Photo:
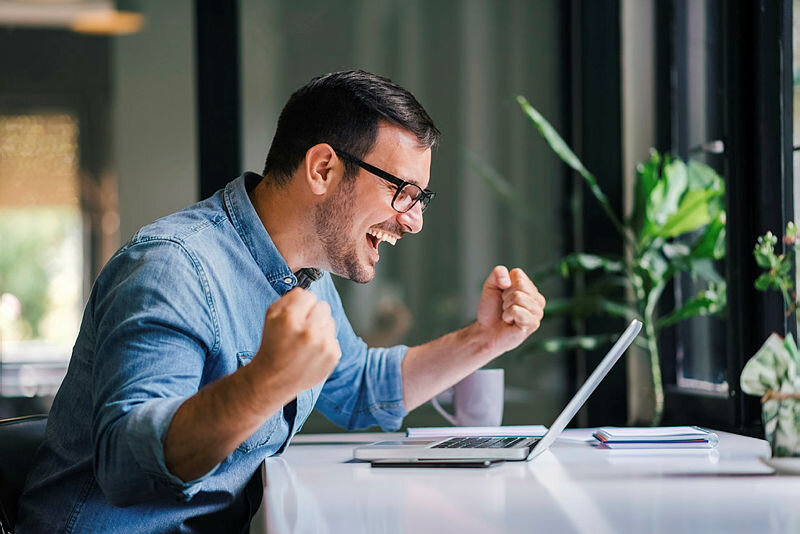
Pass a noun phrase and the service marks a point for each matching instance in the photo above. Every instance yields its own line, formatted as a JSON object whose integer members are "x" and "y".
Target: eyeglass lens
{"x": 406, "y": 197}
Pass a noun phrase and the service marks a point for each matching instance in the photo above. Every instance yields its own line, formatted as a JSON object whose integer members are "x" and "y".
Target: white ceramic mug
{"x": 477, "y": 400}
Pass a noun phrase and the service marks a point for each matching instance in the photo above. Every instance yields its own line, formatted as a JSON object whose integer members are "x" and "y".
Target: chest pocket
{"x": 261, "y": 436}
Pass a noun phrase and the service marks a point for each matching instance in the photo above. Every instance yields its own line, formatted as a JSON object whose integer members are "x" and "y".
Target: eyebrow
{"x": 405, "y": 179}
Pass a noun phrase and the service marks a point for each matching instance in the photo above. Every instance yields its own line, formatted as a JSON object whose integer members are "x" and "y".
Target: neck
{"x": 285, "y": 217}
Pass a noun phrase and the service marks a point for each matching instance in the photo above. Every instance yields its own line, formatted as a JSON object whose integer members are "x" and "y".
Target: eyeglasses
{"x": 407, "y": 194}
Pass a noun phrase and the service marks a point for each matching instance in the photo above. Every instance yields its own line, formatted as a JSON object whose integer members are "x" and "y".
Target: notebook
{"x": 490, "y": 447}
{"x": 665, "y": 437}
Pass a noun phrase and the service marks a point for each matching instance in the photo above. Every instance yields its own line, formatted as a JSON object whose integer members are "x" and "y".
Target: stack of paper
{"x": 536, "y": 431}
{"x": 665, "y": 437}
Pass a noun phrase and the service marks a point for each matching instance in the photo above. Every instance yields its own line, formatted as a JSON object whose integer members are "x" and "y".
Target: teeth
{"x": 382, "y": 236}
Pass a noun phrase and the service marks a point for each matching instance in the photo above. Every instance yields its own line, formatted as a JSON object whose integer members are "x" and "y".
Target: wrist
{"x": 266, "y": 387}
{"x": 479, "y": 341}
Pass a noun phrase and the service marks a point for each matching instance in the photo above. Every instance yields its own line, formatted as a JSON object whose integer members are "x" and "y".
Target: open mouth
{"x": 375, "y": 236}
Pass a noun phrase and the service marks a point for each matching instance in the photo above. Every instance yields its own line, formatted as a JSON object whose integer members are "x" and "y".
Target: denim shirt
{"x": 179, "y": 306}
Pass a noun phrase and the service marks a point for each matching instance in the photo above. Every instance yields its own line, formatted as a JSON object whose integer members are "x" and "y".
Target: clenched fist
{"x": 511, "y": 308}
{"x": 299, "y": 343}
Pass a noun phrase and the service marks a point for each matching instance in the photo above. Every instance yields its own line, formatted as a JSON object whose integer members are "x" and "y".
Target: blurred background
{"x": 115, "y": 113}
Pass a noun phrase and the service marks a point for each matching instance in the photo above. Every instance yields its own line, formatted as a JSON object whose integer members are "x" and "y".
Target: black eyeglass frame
{"x": 425, "y": 195}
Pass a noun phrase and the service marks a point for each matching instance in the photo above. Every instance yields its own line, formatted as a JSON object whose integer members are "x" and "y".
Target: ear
{"x": 321, "y": 168}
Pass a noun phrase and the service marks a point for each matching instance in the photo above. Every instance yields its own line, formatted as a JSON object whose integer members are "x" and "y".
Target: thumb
{"x": 498, "y": 279}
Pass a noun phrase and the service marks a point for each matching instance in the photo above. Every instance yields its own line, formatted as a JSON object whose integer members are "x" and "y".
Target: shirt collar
{"x": 252, "y": 232}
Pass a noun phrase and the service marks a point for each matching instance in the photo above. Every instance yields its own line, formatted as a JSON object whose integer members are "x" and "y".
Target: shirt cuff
{"x": 148, "y": 424}
{"x": 389, "y": 409}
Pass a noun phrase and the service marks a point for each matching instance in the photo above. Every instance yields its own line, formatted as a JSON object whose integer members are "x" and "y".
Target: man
{"x": 199, "y": 356}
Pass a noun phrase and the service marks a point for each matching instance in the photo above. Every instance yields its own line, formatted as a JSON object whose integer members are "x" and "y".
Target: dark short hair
{"x": 343, "y": 109}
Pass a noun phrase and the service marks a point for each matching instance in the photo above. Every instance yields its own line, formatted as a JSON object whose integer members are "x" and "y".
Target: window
{"x": 726, "y": 98}
{"x": 41, "y": 250}
{"x": 697, "y": 132}
{"x": 58, "y": 204}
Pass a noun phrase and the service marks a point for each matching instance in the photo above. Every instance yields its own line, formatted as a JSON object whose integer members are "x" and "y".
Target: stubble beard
{"x": 333, "y": 222}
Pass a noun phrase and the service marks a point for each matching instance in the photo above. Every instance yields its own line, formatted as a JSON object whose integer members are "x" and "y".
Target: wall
{"x": 154, "y": 115}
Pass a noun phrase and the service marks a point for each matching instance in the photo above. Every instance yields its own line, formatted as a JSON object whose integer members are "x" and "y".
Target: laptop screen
{"x": 588, "y": 387}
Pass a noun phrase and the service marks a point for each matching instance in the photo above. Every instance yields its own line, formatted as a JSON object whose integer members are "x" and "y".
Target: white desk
{"x": 317, "y": 488}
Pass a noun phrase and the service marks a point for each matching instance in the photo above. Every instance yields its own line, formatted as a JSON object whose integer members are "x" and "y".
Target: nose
{"x": 411, "y": 221}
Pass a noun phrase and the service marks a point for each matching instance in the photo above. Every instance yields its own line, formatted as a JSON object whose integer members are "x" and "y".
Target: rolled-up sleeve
{"x": 154, "y": 328}
{"x": 366, "y": 388}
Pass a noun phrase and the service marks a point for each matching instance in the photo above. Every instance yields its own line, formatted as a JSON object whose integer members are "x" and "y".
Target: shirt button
{"x": 287, "y": 280}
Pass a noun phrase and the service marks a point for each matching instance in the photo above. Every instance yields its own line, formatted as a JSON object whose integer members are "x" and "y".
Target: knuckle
{"x": 280, "y": 320}
{"x": 305, "y": 336}
{"x": 291, "y": 322}
{"x": 272, "y": 315}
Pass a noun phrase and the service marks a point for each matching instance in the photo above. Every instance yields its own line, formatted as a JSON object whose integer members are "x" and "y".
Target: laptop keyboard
{"x": 479, "y": 443}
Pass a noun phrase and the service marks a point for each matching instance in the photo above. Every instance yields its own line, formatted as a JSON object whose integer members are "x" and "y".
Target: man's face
{"x": 358, "y": 215}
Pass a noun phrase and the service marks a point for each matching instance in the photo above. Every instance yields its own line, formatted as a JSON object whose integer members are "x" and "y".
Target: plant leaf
{"x": 764, "y": 250}
{"x": 691, "y": 215}
{"x": 649, "y": 173}
{"x": 580, "y": 262}
{"x": 701, "y": 176}
{"x": 708, "y": 302}
{"x": 556, "y": 142}
{"x": 675, "y": 182}
{"x": 712, "y": 243}
{"x": 646, "y": 180}
{"x": 766, "y": 281}
{"x": 654, "y": 264}
{"x": 566, "y": 154}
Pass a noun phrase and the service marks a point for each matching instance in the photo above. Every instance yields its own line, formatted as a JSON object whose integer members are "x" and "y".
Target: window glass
{"x": 701, "y": 359}
{"x": 41, "y": 250}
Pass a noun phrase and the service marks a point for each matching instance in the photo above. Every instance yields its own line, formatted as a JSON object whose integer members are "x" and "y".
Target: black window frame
{"x": 757, "y": 115}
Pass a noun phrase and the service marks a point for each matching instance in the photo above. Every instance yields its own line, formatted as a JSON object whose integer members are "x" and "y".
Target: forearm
{"x": 209, "y": 425}
{"x": 433, "y": 367}
{"x": 298, "y": 350}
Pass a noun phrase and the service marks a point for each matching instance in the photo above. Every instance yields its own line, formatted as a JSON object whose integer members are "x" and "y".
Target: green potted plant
{"x": 677, "y": 225}
{"x": 772, "y": 373}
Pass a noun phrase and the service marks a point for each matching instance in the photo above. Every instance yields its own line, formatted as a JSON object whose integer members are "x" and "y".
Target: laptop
{"x": 487, "y": 449}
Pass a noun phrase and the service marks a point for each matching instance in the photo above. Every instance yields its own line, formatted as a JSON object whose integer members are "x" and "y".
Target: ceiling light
{"x": 116, "y": 17}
